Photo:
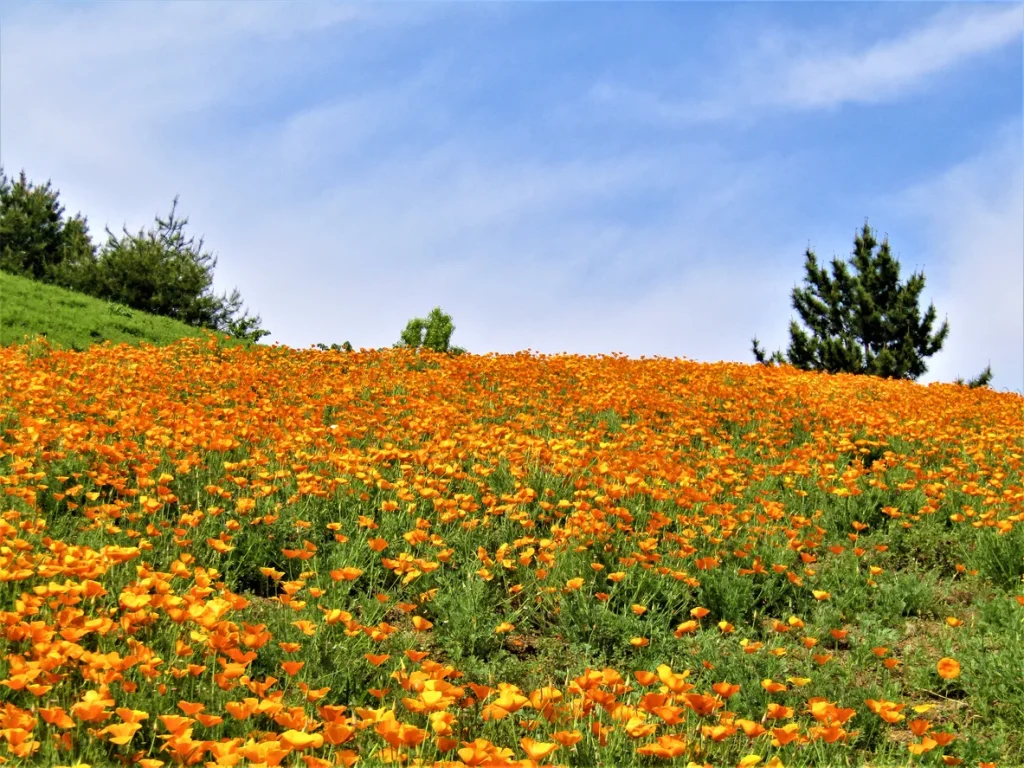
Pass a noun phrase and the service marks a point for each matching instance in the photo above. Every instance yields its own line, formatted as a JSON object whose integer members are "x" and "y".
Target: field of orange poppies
{"x": 223, "y": 556}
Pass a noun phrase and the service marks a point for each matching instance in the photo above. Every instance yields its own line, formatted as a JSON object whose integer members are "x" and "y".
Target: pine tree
{"x": 35, "y": 239}
{"x": 983, "y": 379}
{"x": 861, "y": 321}
{"x": 166, "y": 273}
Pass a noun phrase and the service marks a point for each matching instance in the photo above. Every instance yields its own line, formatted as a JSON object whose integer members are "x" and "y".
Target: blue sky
{"x": 583, "y": 177}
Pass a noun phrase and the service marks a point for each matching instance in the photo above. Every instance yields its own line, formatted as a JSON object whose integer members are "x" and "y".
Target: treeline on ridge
{"x": 161, "y": 270}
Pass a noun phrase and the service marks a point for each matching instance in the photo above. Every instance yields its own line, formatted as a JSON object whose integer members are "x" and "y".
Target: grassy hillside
{"x": 74, "y": 320}
{"x": 267, "y": 556}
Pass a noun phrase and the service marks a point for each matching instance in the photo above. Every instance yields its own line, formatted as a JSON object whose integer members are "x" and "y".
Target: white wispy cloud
{"x": 890, "y": 68}
{"x": 131, "y": 91}
{"x": 776, "y": 68}
{"x": 510, "y": 249}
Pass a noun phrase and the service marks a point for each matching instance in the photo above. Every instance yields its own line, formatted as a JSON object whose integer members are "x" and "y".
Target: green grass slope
{"x": 68, "y": 319}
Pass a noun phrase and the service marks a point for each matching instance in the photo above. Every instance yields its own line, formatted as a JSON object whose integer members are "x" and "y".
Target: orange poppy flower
{"x": 948, "y": 668}
{"x": 346, "y": 574}
{"x": 537, "y": 750}
{"x": 644, "y": 677}
{"x": 299, "y": 740}
{"x": 121, "y": 733}
{"x": 567, "y": 738}
{"x": 725, "y": 690}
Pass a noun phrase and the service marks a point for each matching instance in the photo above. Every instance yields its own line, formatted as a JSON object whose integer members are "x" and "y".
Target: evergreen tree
{"x": 865, "y": 321}
{"x": 77, "y": 266}
{"x": 983, "y": 379}
{"x": 431, "y": 332}
{"x": 35, "y": 239}
{"x": 166, "y": 273}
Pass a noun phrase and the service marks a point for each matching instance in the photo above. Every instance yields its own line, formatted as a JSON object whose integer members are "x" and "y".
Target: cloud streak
{"x": 889, "y": 69}
{"x": 782, "y": 69}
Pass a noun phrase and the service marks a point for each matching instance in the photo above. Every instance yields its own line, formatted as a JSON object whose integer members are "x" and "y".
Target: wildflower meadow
{"x": 249, "y": 555}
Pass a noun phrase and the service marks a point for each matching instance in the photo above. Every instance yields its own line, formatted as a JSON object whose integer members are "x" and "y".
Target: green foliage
{"x": 432, "y": 332}
{"x": 161, "y": 271}
{"x": 35, "y": 239}
{"x": 865, "y": 321}
{"x": 343, "y": 347}
{"x": 983, "y": 379}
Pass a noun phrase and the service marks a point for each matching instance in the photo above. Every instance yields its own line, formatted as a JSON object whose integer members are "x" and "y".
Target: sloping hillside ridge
{"x": 29, "y": 309}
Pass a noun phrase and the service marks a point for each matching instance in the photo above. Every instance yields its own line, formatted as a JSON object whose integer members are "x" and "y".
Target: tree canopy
{"x": 36, "y": 240}
{"x": 861, "y": 318}
{"x": 164, "y": 272}
{"x": 431, "y": 332}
